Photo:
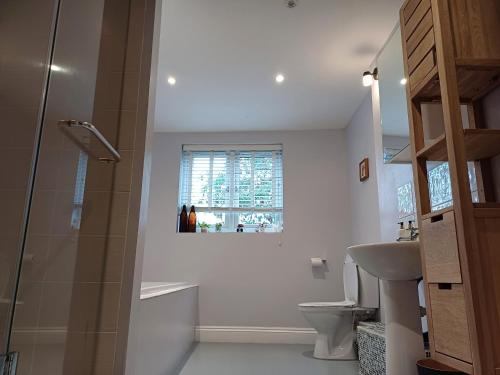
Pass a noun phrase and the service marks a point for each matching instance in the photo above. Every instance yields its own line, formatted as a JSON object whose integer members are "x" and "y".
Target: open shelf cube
{"x": 479, "y": 144}
{"x": 476, "y": 78}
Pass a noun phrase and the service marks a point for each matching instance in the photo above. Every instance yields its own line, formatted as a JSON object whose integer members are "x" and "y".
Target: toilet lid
{"x": 329, "y": 304}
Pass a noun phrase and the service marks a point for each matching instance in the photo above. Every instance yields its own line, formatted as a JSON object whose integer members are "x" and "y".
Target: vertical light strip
{"x": 237, "y": 177}
{"x": 229, "y": 179}
{"x": 252, "y": 179}
{"x": 235, "y": 187}
{"x": 189, "y": 179}
{"x": 81, "y": 176}
{"x": 281, "y": 182}
{"x": 211, "y": 180}
{"x": 232, "y": 187}
{"x": 273, "y": 179}
{"x": 183, "y": 186}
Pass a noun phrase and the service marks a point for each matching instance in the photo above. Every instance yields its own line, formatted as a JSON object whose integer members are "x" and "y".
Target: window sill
{"x": 228, "y": 232}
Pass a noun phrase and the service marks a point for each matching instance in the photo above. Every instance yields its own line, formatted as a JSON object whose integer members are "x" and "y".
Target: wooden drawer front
{"x": 426, "y": 45}
{"x": 440, "y": 247}
{"x": 409, "y": 8}
{"x": 420, "y": 32}
{"x": 416, "y": 17}
{"x": 449, "y": 321}
{"x": 422, "y": 70}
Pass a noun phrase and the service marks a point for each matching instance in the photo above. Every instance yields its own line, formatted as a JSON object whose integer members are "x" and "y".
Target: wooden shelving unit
{"x": 479, "y": 144}
{"x": 486, "y": 208}
{"x": 451, "y": 53}
{"x": 476, "y": 78}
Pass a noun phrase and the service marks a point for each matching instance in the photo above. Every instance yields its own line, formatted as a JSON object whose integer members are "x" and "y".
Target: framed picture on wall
{"x": 364, "y": 170}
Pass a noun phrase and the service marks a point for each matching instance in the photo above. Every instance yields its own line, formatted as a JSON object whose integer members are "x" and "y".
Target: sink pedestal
{"x": 404, "y": 342}
{"x": 398, "y": 265}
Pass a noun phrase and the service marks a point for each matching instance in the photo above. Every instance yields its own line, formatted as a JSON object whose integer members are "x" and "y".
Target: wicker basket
{"x": 371, "y": 348}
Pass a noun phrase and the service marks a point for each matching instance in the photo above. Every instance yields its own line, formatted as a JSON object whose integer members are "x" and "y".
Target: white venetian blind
{"x": 244, "y": 180}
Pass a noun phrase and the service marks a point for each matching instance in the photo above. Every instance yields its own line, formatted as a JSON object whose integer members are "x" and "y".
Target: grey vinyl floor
{"x": 257, "y": 359}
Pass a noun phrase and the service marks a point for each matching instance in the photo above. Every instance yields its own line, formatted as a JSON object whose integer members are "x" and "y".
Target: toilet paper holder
{"x": 318, "y": 262}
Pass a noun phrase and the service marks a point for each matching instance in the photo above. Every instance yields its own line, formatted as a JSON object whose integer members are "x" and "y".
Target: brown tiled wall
{"x": 23, "y": 54}
{"x": 87, "y": 273}
{"x": 112, "y": 287}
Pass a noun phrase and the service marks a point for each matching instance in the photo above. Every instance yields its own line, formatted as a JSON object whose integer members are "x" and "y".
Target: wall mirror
{"x": 393, "y": 106}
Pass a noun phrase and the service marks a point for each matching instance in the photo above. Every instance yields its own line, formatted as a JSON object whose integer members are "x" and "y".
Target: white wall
{"x": 365, "y": 220}
{"x": 249, "y": 280}
{"x": 258, "y": 280}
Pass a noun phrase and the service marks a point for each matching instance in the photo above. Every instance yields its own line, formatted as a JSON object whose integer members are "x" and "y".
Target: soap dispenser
{"x": 402, "y": 230}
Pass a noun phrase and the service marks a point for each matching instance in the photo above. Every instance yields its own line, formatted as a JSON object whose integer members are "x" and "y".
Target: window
{"x": 81, "y": 175}
{"x": 440, "y": 193}
{"x": 234, "y": 185}
{"x": 406, "y": 202}
{"x": 440, "y": 186}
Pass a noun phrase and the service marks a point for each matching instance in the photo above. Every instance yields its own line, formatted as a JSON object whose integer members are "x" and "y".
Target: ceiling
{"x": 225, "y": 55}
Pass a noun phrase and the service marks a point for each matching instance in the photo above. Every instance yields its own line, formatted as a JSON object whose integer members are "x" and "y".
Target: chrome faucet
{"x": 413, "y": 232}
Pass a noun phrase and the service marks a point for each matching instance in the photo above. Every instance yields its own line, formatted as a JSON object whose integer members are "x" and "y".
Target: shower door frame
{"x": 84, "y": 135}
{"x": 8, "y": 360}
{"x": 144, "y": 25}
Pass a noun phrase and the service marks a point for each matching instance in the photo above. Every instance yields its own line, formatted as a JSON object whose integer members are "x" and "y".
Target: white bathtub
{"x": 166, "y": 331}
{"x": 156, "y": 289}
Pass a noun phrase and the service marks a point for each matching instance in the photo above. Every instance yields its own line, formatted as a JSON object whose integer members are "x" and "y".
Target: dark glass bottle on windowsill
{"x": 192, "y": 220}
{"x": 183, "y": 220}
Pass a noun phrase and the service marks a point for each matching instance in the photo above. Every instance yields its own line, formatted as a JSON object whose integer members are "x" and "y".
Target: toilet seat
{"x": 328, "y": 306}
{"x": 345, "y": 303}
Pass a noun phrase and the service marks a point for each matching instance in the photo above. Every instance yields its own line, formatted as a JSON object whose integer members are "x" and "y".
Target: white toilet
{"x": 334, "y": 320}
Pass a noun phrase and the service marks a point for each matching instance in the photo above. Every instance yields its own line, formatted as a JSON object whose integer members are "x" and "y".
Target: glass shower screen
{"x": 56, "y": 180}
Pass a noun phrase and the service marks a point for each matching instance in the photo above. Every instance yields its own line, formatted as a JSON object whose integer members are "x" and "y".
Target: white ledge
{"x": 156, "y": 289}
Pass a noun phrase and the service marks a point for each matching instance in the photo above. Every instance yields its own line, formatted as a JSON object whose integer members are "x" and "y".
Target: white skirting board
{"x": 256, "y": 335}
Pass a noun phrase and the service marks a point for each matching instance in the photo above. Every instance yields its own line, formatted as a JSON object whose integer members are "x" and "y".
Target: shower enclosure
{"x": 61, "y": 222}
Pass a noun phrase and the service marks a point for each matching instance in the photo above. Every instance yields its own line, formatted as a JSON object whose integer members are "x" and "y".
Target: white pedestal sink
{"x": 398, "y": 265}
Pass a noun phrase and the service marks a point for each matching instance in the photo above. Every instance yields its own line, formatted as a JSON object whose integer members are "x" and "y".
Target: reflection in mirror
{"x": 393, "y": 108}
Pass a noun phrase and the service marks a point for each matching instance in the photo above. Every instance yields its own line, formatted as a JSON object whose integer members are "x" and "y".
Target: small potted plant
{"x": 204, "y": 227}
{"x": 261, "y": 228}
{"x": 218, "y": 227}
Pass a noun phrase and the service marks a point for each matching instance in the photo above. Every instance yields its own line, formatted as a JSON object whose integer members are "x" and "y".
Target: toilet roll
{"x": 317, "y": 262}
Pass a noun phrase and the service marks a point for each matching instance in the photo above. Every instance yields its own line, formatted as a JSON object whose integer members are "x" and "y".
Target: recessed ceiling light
{"x": 403, "y": 81}
{"x": 280, "y": 78}
{"x": 171, "y": 81}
